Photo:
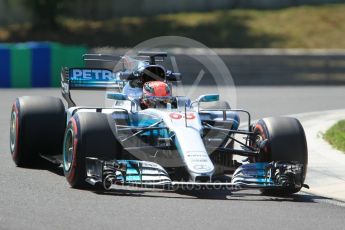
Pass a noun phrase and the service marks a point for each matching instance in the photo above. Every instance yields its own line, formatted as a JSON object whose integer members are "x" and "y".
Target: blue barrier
{"x": 36, "y": 64}
{"x": 5, "y": 74}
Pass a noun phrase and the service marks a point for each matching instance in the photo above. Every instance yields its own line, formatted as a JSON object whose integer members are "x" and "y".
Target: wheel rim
{"x": 68, "y": 150}
{"x": 13, "y": 132}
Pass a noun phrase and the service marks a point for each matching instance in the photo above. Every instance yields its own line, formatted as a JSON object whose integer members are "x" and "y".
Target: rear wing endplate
{"x": 87, "y": 79}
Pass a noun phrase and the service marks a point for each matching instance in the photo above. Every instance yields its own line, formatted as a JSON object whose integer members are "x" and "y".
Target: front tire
{"x": 286, "y": 142}
{"x": 88, "y": 135}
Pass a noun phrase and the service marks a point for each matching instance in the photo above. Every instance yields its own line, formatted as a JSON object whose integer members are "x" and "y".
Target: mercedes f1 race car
{"x": 151, "y": 138}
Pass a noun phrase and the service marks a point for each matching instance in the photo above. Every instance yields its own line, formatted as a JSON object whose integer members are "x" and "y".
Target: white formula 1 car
{"x": 180, "y": 143}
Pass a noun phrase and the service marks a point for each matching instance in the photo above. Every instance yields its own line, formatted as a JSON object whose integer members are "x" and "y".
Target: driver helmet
{"x": 156, "y": 93}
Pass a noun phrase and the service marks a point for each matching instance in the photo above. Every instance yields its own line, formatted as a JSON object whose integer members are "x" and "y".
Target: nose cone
{"x": 193, "y": 153}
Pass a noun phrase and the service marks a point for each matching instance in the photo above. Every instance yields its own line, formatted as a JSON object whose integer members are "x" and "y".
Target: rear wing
{"x": 87, "y": 79}
{"x": 101, "y": 78}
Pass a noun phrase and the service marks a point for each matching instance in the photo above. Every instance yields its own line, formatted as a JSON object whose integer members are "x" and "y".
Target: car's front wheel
{"x": 87, "y": 135}
{"x": 286, "y": 142}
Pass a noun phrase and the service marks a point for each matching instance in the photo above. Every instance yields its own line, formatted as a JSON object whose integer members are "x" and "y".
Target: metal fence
{"x": 262, "y": 66}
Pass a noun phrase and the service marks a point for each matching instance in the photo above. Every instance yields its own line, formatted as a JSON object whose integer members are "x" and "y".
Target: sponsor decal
{"x": 91, "y": 74}
{"x": 198, "y": 160}
{"x": 201, "y": 167}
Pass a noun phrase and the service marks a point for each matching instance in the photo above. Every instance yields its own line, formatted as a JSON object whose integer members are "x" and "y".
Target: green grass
{"x": 321, "y": 26}
{"x": 336, "y": 135}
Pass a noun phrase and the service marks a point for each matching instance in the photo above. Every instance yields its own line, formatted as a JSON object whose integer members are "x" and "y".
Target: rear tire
{"x": 286, "y": 142}
{"x": 88, "y": 135}
{"x": 37, "y": 127}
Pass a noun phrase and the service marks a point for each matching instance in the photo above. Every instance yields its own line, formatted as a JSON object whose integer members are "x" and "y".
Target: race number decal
{"x": 177, "y": 116}
{"x": 190, "y": 116}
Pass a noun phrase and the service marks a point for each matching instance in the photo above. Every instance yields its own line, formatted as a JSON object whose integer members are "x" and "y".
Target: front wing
{"x": 273, "y": 175}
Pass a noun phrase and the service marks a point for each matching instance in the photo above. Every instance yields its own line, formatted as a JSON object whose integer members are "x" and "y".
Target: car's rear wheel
{"x": 87, "y": 135}
{"x": 286, "y": 142}
{"x": 37, "y": 127}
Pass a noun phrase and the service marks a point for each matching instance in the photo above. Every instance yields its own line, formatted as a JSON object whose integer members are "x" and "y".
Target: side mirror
{"x": 208, "y": 98}
{"x": 117, "y": 96}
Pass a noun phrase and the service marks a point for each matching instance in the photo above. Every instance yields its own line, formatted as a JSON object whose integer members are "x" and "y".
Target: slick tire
{"x": 37, "y": 127}
{"x": 87, "y": 135}
{"x": 286, "y": 142}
